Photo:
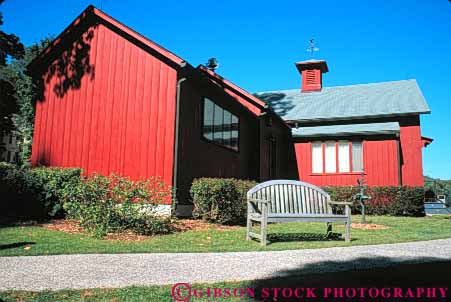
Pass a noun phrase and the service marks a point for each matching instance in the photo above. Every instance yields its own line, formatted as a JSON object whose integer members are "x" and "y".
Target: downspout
{"x": 176, "y": 142}
{"x": 398, "y": 144}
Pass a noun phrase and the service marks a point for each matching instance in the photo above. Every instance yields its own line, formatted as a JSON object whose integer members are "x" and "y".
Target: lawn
{"x": 36, "y": 240}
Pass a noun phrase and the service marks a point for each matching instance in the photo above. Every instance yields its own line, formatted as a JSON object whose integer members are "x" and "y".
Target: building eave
{"x": 356, "y": 117}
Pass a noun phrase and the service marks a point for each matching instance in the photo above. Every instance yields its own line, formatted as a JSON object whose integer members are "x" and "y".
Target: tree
{"x": 23, "y": 86}
{"x": 10, "y": 47}
{"x": 9, "y": 44}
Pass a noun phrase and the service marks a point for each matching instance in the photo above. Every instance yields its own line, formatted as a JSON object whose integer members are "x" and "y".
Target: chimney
{"x": 312, "y": 74}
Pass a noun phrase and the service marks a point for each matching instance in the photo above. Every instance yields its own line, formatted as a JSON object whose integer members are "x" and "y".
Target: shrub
{"x": 395, "y": 201}
{"x": 220, "y": 200}
{"x": 51, "y": 185}
{"x": 111, "y": 204}
{"x": 409, "y": 202}
{"x": 34, "y": 193}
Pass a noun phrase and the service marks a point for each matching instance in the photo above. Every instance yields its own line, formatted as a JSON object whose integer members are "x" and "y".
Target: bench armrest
{"x": 256, "y": 200}
{"x": 342, "y": 203}
{"x": 253, "y": 205}
{"x": 347, "y": 205}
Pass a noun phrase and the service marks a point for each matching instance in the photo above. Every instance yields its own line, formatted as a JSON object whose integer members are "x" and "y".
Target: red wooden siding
{"x": 121, "y": 118}
{"x": 412, "y": 144}
{"x": 380, "y": 161}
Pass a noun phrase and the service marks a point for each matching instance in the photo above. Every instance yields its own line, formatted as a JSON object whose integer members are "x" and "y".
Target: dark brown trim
{"x": 398, "y": 144}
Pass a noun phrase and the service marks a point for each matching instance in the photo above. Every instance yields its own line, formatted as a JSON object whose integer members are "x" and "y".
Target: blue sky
{"x": 257, "y": 42}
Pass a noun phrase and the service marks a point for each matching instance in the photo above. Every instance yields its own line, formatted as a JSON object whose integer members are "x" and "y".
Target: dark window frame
{"x": 272, "y": 157}
{"x": 212, "y": 141}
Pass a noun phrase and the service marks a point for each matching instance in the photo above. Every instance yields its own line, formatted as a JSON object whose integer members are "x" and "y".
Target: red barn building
{"x": 112, "y": 101}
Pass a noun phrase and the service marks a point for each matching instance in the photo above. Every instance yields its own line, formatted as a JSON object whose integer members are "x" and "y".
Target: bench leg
{"x": 348, "y": 231}
{"x": 263, "y": 225}
{"x": 329, "y": 229}
{"x": 348, "y": 224}
{"x": 249, "y": 227}
{"x": 263, "y": 232}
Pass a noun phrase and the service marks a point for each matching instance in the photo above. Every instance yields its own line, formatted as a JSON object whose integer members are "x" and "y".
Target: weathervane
{"x": 312, "y": 47}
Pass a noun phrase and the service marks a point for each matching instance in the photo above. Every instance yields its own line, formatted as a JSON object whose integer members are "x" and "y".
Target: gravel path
{"x": 120, "y": 270}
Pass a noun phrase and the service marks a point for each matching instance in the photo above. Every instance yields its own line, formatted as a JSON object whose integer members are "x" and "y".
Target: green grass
{"x": 35, "y": 240}
{"x": 127, "y": 294}
{"x": 398, "y": 275}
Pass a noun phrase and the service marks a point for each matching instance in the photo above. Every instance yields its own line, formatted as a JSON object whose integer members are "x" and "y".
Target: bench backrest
{"x": 293, "y": 197}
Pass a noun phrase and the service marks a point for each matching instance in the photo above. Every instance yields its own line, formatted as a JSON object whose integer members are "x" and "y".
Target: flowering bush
{"x": 111, "y": 204}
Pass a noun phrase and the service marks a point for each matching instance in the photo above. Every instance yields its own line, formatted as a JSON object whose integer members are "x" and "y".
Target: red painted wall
{"x": 411, "y": 145}
{"x": 119, "y": 120}
{"x": 380, "y": 162}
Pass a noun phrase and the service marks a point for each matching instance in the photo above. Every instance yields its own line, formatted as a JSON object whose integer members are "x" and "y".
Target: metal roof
{"x": 348, "y": 102}
{"x": 346, "y": 130}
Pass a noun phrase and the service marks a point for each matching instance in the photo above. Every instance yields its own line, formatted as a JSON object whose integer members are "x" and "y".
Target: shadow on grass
{"x": 15, "y": 245}
{"x": 288, "y": 237}
{"x": 365, "y": 272}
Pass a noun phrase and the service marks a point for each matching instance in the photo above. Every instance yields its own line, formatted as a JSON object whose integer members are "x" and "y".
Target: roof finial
{"x": 312, "y": 47}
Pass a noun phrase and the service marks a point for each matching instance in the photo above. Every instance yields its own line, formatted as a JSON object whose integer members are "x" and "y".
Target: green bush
{"x": 112, "y": 204}
{"x": 34, "y": 193}
{"x": 220, "y": 200}
{"x": 52, "y": 186}
{"x": 395, "y": 201}
{"x": 101, "y": 204}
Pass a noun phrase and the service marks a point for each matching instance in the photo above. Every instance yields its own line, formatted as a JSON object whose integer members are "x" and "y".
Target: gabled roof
{"x": 348, "y": 102}
{"x": 86, "y": 16}
{"x": 347, "y": 130}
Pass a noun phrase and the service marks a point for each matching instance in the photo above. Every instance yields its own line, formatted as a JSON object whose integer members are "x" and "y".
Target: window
{"x": 357, "y": 157}
{"x": 220, "y": 126}
{"x": 331, "y": 160}
{"x": 337, "y": 157}
{"x": 317, "y": 158}
{"x": 344, "y": 159}
{"x": 208, "y": 120}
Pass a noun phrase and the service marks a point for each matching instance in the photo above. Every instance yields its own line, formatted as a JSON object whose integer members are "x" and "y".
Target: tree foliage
{"x": 23, "y": 84}
{"x": 10, "y": 47}
{"x": 438, "y": 186}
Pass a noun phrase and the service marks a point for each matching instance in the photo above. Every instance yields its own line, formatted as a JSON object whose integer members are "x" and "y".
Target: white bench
{"x": 289, "y": 200}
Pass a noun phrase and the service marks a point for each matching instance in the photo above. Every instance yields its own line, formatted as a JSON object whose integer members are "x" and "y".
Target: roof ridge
{"x": 344, "y": 86}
